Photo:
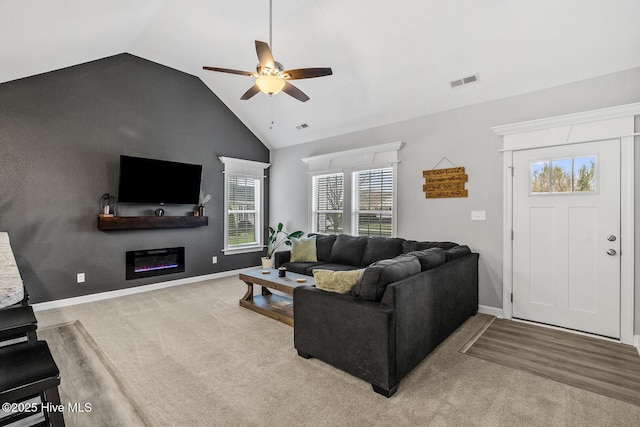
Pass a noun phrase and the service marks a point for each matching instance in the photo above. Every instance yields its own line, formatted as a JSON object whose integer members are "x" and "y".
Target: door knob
{"x": 611, "y": 238}
{"x": 611, "y": 252}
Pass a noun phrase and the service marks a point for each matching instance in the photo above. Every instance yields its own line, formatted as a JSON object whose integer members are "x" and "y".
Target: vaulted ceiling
{"x": 392, "y": 60}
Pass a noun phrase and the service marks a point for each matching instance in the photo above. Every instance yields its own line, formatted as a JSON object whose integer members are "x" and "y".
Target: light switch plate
{"x": 478, "y": 215}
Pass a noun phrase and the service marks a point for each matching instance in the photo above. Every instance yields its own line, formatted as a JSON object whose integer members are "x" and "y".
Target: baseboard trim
{"x": 49, "y": 305}
{"x": 493, "y": 311}
{"x": 636, "y": 342}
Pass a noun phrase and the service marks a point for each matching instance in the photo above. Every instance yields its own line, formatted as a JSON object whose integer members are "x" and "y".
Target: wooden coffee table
{"x": 276, "y": 306}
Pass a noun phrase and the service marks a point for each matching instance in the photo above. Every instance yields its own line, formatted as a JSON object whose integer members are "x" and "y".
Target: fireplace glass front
{"x": 154, "y": 262}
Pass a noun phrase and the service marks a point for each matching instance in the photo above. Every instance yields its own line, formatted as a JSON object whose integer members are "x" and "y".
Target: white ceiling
{"x": 392, "y": 60}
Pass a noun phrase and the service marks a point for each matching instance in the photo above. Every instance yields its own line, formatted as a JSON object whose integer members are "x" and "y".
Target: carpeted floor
{"x": 189, "y": 355}
{"x": 90, "y": 393}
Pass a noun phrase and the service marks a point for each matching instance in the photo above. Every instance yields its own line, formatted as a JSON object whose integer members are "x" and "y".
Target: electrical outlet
{"x": 214, "y": 260}
{"x": 80, "y": 277}
{"x": 478, "y": 215}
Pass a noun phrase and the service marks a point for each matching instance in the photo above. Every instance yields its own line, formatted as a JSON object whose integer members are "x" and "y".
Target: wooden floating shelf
{"x": 150, "y": 222}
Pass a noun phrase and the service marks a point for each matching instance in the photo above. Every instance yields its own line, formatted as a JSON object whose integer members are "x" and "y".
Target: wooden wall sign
{"x": 444, "y": 183}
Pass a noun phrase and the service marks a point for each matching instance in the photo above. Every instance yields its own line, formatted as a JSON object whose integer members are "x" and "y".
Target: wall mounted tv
{"x": 158, "y": 181}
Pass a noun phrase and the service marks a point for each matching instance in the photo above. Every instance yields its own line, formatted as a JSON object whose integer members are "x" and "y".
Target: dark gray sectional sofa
{"x": 411, "y": 296}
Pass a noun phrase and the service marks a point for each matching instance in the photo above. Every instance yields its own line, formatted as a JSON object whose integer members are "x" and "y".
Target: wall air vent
{"x": 302, "y": 126}
{"x": 464, "y": 81}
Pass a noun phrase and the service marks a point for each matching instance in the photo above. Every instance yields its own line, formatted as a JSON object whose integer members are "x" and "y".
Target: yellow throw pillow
{"x": 336, "y": 281}
{"x": 304, "y": 250}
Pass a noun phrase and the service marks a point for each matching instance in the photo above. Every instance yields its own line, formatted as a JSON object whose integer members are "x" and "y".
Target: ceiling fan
{"x": 271, "y": 77}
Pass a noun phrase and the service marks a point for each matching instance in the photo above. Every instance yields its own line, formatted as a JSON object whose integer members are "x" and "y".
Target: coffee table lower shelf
{"x": 277, "y": 307}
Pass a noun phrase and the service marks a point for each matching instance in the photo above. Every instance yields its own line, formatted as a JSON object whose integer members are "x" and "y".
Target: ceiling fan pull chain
{"x": 271, "y": 24}
{"x": 272, "y": 119}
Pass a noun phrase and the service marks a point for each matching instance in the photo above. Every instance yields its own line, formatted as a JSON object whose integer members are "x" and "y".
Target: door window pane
{"x": 561, "y": 176}
{"x": 539, "y": 177}
{"x": 575, "y": 175}
{"x": 584, "y": 174}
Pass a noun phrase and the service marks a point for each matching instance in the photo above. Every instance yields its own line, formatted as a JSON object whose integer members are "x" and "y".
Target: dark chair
{"x": 17, "y": 322}
{"x": 28, "y": 371}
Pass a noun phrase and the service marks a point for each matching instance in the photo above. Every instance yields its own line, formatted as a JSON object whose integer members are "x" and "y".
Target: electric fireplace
{"x": 154, "y": 262}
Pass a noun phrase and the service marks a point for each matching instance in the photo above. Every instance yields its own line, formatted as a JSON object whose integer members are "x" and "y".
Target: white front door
{"x": 566, "y": 236}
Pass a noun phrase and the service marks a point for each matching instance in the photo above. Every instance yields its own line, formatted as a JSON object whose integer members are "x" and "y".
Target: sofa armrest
{"x": 430, "y": 306}
{"x": 349, "y": 333}
{"x": 280, "y": 258}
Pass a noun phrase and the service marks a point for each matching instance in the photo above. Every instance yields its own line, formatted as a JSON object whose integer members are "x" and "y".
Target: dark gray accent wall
{"x": 61, "y": 135}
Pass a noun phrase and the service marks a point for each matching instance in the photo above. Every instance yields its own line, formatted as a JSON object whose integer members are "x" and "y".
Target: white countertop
{"x": 11, "y": 287}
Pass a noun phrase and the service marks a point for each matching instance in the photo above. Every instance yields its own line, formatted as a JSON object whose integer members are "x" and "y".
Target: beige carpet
{"x": 190, "y": 356}
{"x": 89, "y": 392}
{"x": 608, "y": 368}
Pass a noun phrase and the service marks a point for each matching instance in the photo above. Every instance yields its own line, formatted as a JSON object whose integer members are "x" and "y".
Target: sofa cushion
{"x": 429, "y": 258}
{"x": 336, "y": 281}
{"x": 378, "y": 275}
{"x": 381, "y": 248}
{"x": 413, "y": 245}
{"x": 457, "y": 252}
{"x": 324, "y": 244}
{"x": 348, "y": 249}
{"x": 330, "y": 266}
{"x": 302, "y": 267}
{"x": 303, "y": 250}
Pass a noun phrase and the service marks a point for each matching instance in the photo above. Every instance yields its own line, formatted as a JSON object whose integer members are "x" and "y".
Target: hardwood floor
{"x": 593, "y": 364}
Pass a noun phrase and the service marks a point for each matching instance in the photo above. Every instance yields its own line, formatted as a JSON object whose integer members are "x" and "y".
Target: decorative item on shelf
{"x": 203, "y": 201}
{"x": 277, "y": 238}
{"x": 445, "y": 183}
{"x": 107, "y": 205}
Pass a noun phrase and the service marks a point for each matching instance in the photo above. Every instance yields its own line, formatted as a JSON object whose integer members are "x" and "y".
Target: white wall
{"x": 464, "y": 137}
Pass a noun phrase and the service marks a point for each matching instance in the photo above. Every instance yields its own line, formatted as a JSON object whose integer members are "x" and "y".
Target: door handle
{"x": 611, "y": 252}
{"x": 611, "y": 238}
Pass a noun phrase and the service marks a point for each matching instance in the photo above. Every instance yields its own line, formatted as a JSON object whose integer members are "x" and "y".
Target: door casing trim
{"x": 613, "y": 123}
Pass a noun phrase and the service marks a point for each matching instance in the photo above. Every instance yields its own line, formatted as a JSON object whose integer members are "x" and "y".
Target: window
{"x": 328, "y": 203}
{"x": 363, "y": 206}
{"x": 354, "y": 191}
{"x": 243, "y": 201}
{"x": 574, "y": 175}
{"x": 373, "y": 202}
{"x": 242, "y": 213}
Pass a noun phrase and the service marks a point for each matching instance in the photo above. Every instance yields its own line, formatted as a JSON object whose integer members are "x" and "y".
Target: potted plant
{"x": 277, "y": 238}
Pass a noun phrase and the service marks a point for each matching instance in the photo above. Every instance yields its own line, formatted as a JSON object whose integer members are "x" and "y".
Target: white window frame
{"x": 348, "y": 162}
{"x": 314, "y": 207}
{"x": 239, "y": 168}
{"x": 355, "y": 211}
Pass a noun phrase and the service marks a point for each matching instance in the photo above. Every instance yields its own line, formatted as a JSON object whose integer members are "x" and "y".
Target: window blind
{"x": 373, "y": 202}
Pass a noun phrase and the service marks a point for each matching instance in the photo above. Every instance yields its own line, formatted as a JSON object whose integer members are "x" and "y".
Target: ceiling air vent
{"x": 464, "y": 81}
{"x": 302, "y": 126}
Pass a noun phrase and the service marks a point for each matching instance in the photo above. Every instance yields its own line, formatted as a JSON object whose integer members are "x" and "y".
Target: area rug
{"x": 90, "y": 393}
{"x": 604, "y": 367}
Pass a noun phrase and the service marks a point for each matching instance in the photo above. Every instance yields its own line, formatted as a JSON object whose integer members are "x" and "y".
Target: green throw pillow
{"x": 304, "y": 250}
{"x": 336, "y": 281}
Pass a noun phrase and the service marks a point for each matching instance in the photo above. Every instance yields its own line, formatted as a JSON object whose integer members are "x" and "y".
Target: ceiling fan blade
{"x": 265, "y": 57}
{"x": 306, "y": 73}
{"x": 252, "y": 91}
{"x": 295, "y": 92}
{"x": 227, "y": 70}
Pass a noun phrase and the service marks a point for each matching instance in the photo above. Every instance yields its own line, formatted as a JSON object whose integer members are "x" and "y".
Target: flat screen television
{"x": 158, "y": 181}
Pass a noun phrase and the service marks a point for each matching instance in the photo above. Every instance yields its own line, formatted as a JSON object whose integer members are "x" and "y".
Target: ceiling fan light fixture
{"x": 270, "y": 85}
